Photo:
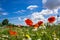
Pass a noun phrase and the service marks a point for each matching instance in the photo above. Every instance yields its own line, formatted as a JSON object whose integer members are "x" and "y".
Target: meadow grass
{"x": 42, "y": 34}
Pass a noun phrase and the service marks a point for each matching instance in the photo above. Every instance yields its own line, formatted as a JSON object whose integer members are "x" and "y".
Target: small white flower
{"x": 42, "y": 27}
{"x": 56, "y": 38}
{"x": 35, "y": 29}
{"x": 38, "y": 39}
{"x": 26, "y": 39}
{"x": 54, "y": 35}
{"x": 4, "y": 35}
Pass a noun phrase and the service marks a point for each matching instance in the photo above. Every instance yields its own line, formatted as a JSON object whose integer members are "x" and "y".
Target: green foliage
{"x": 43, "y": 34}
{"x": 5, "y": 22}
{"x": 0, "y": 24}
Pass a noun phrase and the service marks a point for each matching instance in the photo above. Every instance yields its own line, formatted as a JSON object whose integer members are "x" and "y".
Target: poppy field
{"x": 37, "y": 31}
{"x": 50, "y": 33}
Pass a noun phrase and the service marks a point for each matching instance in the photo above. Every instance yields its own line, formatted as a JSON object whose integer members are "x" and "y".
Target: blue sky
{"x": 16, "y": 11}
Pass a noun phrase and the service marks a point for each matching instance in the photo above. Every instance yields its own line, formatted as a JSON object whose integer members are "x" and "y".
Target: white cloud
{"x": 44, "y": 1}
{"x": 4, "y": 13}
{"x": 58, "y": 20}
{"x": 20, "y": 11}
{"x": 19, "y": 18}
{"x": 24, "y": 19}
{"x": 36, "y": 16}
{"x": 55, "y": 10}
{"x": 31, "y": 7}
{"x": 52, "y": 5}
{"x": 46, "y": 12}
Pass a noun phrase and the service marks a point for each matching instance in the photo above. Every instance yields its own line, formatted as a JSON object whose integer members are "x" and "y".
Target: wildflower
{"x": 38, "y": 39}
{"x": 36, "y": 25}
{"x": 54, "y": 34}
{"x": 56, "y": 38}
{"x": 29, "y": 22}
{"x": 42, "y": 26}
{"x": 5, "y": 36}
{"x": 40, "y": 22}
{"x": 35, "y": 29}
{"x": 51, "y": 19}
{"x": 27, "y": 37}
{"x": 12, "y": 33}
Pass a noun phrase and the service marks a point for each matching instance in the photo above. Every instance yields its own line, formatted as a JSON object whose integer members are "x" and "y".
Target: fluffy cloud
{"x": 44, "y": 1}
{"x": 24, "y": 19}
{"x": 36, "y": 17}
{"x": 58, "y": 20}
{"x": 4, "y": 13}
{"x": 52, "y": 5}
{"x": 31, "y": 7}
{"x": 20, "y": 11}
{"x": 44, "y": 12}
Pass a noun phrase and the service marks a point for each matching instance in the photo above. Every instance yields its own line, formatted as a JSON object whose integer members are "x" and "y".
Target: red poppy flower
{"x": 51, "y": 19}
{"x": 40, "y": 23}
{"x": 36, "y": 25}
{"x": 29, "y": 22}
{"x": 12, "y": 33}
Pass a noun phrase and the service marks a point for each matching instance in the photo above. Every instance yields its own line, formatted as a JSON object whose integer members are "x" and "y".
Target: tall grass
{"x": 42, "y": 34}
